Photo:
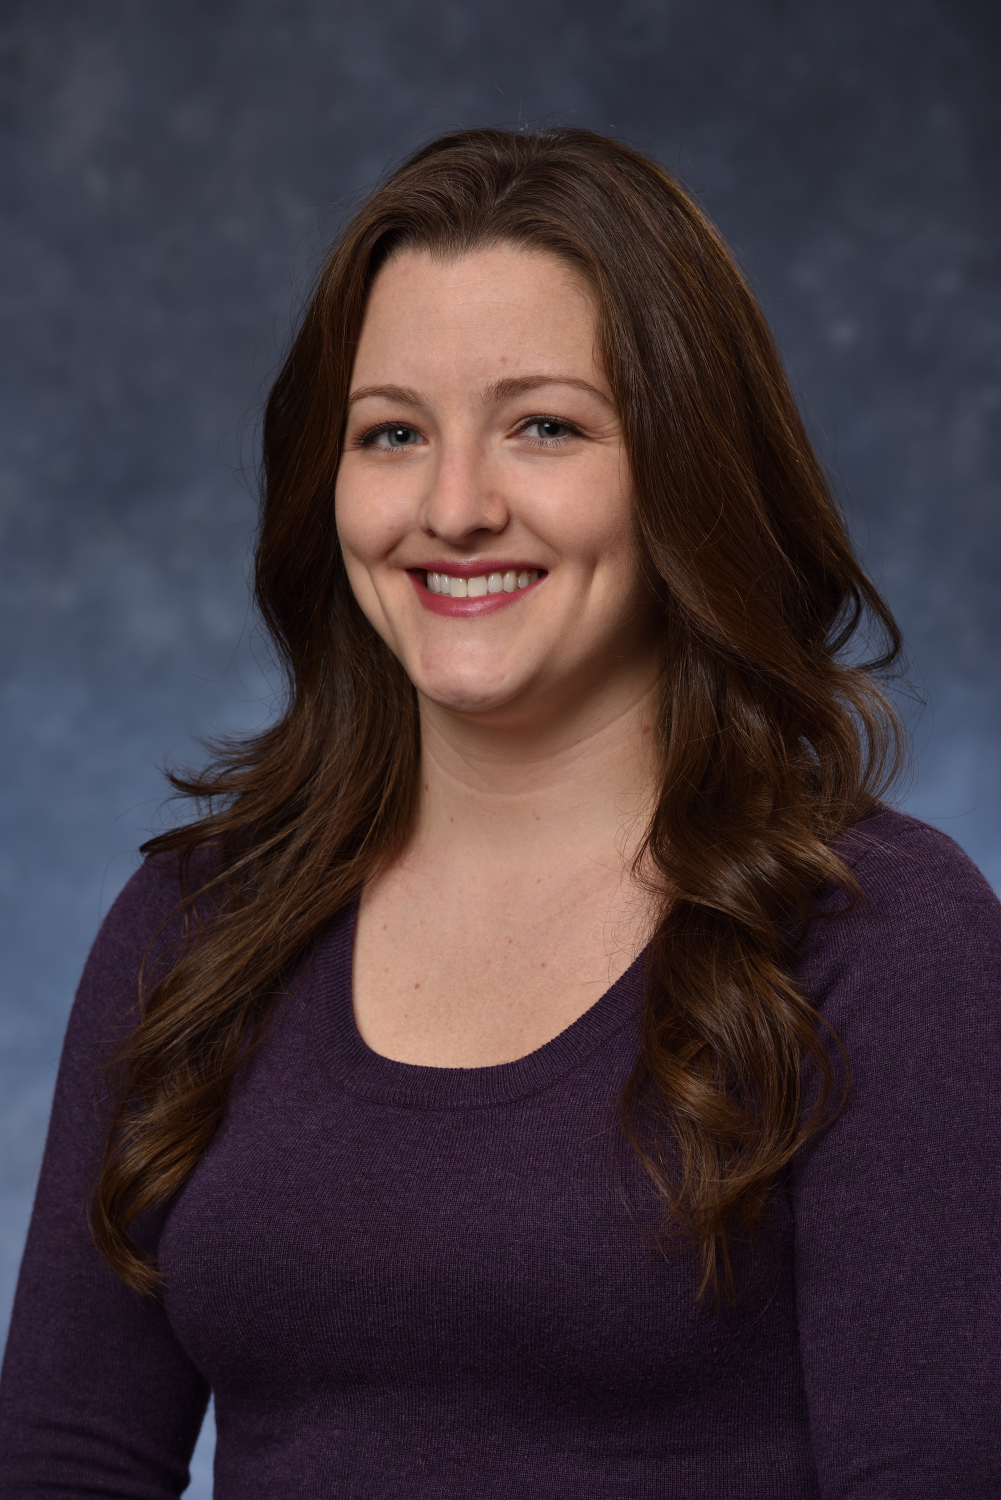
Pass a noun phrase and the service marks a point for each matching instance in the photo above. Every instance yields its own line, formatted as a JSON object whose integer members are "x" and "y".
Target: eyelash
{"x": 367, "y": 438}
{"x": 572, "y": 429}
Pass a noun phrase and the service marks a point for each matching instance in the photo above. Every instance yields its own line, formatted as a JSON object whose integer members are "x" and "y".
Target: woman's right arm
{"x": 97, "y": 1397}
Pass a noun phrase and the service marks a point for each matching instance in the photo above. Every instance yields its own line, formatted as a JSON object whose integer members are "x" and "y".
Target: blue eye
{"x": 397, "y": 436}
{"x": 550, "y": 430}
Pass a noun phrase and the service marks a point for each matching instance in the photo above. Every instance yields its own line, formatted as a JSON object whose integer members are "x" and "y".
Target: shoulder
{"x": 143, "y": 929}
{"x": 921, "y": 939}
{"x": 147, "y": 910}
{"x": 898, "y": 859}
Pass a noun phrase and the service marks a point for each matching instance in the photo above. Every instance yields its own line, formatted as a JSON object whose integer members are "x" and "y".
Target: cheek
{"x": 367, "y": 523}
{"x": 348, "y": 516}
{"x": 589, "y": 518}
{"x": 358, "y": 531}
{"x": 367, "y": 528}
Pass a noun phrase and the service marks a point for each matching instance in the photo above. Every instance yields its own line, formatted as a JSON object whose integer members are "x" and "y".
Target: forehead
{"x": 500, "y": 308}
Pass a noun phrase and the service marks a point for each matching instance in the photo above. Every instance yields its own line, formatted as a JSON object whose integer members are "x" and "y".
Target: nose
{"x": 464, "y": 499}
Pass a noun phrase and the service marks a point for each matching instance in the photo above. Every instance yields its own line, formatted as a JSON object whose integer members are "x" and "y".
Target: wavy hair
{"x": 775, "y": 734}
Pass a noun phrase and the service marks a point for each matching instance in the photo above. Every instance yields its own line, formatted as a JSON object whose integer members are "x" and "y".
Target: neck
{"x": 579, "y": 782}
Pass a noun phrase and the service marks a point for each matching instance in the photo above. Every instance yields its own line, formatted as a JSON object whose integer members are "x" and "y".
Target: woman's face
{"x": 484, "y": 502}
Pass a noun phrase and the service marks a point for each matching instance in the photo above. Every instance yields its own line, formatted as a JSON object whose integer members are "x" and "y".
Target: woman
{"x": 546, "y": 1068}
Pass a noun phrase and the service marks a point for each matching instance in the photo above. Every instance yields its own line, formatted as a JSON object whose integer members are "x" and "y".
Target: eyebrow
{"x": 498, "y": 390}
{"x": 520, "y": 385}
{"x": 404, "y": 394}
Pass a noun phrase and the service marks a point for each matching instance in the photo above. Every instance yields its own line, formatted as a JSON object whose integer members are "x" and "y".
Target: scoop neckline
{"x": 362, "y": 1071}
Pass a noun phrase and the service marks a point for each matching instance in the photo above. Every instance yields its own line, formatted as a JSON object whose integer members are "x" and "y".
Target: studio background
{"x": 169, "y": 175}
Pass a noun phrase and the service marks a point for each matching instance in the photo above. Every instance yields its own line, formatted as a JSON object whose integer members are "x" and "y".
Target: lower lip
{"x": 486, "y": 604}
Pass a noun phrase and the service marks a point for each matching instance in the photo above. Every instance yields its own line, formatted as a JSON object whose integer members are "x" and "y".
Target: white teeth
{"x": 476, "y": 588}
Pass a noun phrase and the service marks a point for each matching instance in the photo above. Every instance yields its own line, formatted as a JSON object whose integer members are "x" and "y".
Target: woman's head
{"x": 482, "y": 444}
{"x": 688, "y": 532}
{"x": 551, "y": 235}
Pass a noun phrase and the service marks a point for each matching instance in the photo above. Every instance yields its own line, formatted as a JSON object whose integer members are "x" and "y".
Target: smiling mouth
{"x": 480, "y": 586}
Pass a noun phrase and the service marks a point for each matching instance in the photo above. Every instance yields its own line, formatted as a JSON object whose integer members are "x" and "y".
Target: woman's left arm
{"x": 898, "y": 1205}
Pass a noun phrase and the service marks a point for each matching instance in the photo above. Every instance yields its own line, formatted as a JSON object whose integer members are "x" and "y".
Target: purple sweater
{"x": 404, "y": 1281}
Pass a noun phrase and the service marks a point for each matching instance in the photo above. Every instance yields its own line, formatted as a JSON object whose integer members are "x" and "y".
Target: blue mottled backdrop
{"x": 169, "y": 174}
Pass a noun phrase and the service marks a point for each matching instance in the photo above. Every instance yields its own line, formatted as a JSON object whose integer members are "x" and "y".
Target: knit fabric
{"x": 407, "y": 1281}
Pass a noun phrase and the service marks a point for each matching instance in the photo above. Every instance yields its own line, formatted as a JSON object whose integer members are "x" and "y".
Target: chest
{"x": 356, "y": 1244}
{"x": 377, "y": 1266}
{"x": 474, "y": 968}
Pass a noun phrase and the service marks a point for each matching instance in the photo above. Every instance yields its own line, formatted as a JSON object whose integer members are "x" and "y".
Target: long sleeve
{"x": 97, "y": 1397}
{"x": 421, "y": 1280}
{"x": 898, "y": 1206}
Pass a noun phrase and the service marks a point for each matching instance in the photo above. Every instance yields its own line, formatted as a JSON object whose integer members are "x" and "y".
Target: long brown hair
{"x": 774, "y": 735}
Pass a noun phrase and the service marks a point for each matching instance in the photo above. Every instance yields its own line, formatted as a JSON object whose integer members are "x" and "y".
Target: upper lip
{"x": 480, "y": 568}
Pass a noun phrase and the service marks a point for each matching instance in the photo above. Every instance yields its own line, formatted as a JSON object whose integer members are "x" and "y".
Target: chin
{"x": 469, "y": 691}
{"x": 464, "y": 681}
{"x": 466, "y": 697}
